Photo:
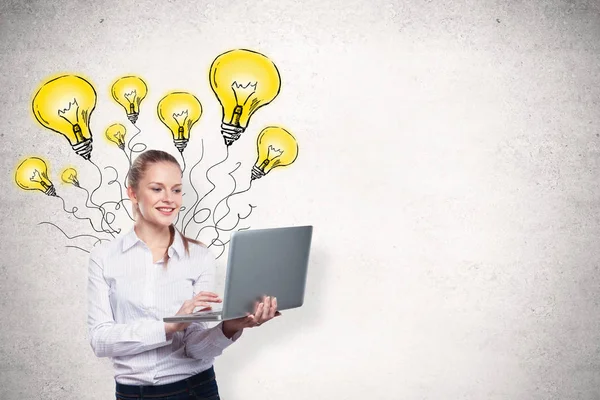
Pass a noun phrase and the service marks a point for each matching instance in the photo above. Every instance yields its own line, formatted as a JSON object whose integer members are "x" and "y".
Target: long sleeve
{"x": 202, "y": 342}
{"x": 109, "y": 339}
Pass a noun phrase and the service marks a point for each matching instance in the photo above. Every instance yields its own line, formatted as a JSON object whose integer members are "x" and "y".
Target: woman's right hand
{"x": 202, "y": 300}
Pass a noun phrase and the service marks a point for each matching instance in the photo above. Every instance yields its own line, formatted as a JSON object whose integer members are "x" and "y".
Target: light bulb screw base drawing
{"x": 231, "y": 133}
{"x": 133, "y": 117}
{"x": 51, "y": 191}
{"x": 257, "y": 173}
{"x": 121, "y": 146}
{"x": 180, "y": 144}
{"x": 84, "y": 149}
{"x": 76, "y": 183}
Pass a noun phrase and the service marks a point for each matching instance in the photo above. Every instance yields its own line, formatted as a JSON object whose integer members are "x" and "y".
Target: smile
{"x": 165, "y": 210}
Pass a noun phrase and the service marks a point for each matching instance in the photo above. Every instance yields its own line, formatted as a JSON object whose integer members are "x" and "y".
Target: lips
{"x": 165, "y": 210}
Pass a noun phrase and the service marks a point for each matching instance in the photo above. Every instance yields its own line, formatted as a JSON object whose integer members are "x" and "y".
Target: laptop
{"x": 261, "y": 262}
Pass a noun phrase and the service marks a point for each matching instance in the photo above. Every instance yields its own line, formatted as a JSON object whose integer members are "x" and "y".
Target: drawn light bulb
{"x": 179, "y": 111}
{"x": 64, "y": 105}
{"x": 69, "y": 175}
{"x": 32, "y": 174}
{"x": 276, "y": 148}
{"x": 129, "y": 91}
{"x": 116, "y": 134}
{"x": 243, "y": 81}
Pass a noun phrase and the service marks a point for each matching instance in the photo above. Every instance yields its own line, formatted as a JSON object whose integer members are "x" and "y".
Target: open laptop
{"x": 261, "y": 262}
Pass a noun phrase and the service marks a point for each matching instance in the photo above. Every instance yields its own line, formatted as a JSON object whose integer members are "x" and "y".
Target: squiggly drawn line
{"x": 215, "y": 210}
{"x": 128, "y": 169}
{"x": 182, "y": 208}
{"x": 104, "y": 214}
{"x": 74, "y": 210}
{"x": 222, "y": 248}
{"x": 100, "y": 207}
{"x": 239, "y": 219}
{"x": 210, "y": 191}
{"x": 226, "y": 199}
{"x": 193, "y": 187}
{"x": 120, "y": 202}
{"x": 183, "y": 168}
{"x": 132, "y": 149}
{"x": 98, "y": 240}
{"x": 77, "y": 247}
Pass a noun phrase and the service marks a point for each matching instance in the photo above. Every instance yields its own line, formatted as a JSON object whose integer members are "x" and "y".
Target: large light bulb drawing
{"x": 179, "y": 111}
{"x": 64, "y": 105}
{"x": 69, "y": 175}
{"x": 32, "y": 174}
{"x": 276, "y": 148}
{"x": 129, "y": 91}
{"x": 116, "y": 134}
{"x": 243, "y": 81}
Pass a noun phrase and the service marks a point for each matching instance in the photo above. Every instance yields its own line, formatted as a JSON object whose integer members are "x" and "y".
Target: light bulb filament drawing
{"x": 38, "y": 179}
{"x": 130, "y": 97}
{"x": 243, "y": 93}
{"x": 71, "y": 114}
{"x": 268, "y": 159}
{"x": 180, "y": 123}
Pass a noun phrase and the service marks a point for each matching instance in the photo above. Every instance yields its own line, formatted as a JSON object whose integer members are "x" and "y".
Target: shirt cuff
{"x": 223, "y": 340}
{"x": 159, "y": 335}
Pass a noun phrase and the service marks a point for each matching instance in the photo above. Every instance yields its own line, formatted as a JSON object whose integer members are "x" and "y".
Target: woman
{"x": 149, "y": 273}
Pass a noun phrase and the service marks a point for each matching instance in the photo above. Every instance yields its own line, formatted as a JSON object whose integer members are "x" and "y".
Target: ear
{"x": 131, "y": 194}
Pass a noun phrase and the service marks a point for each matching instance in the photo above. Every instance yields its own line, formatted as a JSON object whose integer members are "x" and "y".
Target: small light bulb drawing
{"x": 116, "y": 134}
{"x": 64, "y": 105}
{"x": 179, "y": 111}
{"x": 69, "y": 175}
{"x": 243, "y": 81}
{"x": 129, "y": 91}
{"x": 32, "y": 174}
{"x": 276, "y": 148}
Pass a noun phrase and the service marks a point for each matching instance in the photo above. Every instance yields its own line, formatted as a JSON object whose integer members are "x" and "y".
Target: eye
{"x": 156, "y": 189}
{"x": 177, "y": 190}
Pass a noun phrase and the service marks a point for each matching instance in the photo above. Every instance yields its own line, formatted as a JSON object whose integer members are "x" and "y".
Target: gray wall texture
{"x": 449, "y": 156}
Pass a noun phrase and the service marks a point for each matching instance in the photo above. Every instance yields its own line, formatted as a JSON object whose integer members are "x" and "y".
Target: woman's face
{"x": 158, "y": 194}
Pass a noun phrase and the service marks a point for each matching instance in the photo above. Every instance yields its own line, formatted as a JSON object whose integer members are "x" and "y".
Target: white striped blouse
{"x": 129, "y": 294}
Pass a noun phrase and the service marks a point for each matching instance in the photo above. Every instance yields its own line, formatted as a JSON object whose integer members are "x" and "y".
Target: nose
{"x": 168, "y": 196}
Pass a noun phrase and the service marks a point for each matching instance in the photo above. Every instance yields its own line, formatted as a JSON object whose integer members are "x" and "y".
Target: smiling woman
{"x": 128, "y": 296}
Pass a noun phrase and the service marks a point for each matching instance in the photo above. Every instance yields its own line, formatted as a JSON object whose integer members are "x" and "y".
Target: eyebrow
{"x": 158, "y": 183}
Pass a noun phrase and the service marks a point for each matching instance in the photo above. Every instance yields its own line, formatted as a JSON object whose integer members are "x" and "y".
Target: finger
{"x": 210, "y": 299}
{"x": 258, "y": 316}
{"x": 207, "y": 294}
{"x": 273, "y": 308}
{"x": 266, "y": 311}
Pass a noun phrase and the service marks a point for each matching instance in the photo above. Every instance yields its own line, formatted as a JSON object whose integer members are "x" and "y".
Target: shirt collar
{"x": 131, "y": 239}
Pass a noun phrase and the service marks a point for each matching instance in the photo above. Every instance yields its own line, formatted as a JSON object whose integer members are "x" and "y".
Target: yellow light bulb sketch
{"x": 69, "y": 175}
{"x": 243, "y": 81}
{"x": 179, "y": 111}
{"x": 32, "y": 174}
{"x": 276, "y": 148}
{"x": 64, "y": 105}
{"x": 129, "y": 91}
{"x": 116, "y": 134}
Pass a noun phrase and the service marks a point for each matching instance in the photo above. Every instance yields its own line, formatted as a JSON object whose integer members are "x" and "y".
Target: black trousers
{"x": 202, "y": 386}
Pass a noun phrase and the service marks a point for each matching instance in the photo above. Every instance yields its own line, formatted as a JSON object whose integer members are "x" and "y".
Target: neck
{"x": 153, "y": 235}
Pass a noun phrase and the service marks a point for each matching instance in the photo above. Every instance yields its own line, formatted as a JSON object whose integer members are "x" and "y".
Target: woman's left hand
{"x": 265, "y": 311}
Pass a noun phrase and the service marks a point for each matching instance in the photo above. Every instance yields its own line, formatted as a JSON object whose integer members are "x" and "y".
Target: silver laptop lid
{"x": 270, "y": 262}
